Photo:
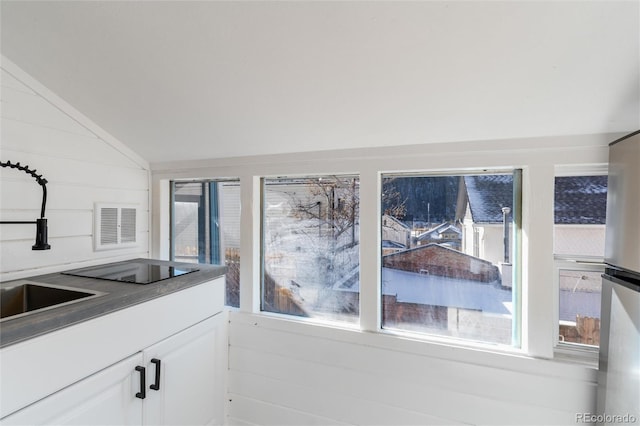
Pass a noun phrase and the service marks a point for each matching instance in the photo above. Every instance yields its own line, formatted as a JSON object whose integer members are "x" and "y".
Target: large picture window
{"x": 205, "y": 227}
{"x": 449, "y": 255}
{"x": 310, "y": 247}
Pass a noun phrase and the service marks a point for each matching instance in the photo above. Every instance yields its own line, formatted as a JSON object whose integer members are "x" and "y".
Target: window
{"x": 580, "y": 210}
{"x": 449, "y": 255}
{"x": 310, "y": 247}
{"x": 205, "y": 227}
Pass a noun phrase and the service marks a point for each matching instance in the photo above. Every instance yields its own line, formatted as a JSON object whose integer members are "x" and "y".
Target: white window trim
{"x": 575, "y": 352}
{"x": 517, "y": 328}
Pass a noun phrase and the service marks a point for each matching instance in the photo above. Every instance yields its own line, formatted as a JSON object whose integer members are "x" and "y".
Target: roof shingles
{"x": 580, "y": 200}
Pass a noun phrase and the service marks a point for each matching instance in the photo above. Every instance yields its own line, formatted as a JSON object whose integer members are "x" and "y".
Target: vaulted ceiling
{"x": 177, "y": 80}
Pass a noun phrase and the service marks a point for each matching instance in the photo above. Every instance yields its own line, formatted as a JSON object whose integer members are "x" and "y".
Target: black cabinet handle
{"x": 156, "y": 385}
{"x": 143, "y": 387}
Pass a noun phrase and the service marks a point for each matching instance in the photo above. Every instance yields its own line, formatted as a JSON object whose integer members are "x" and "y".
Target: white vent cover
{"x": 115, "y": 226}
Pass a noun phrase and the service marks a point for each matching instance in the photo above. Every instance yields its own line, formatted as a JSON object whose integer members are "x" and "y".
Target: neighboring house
{"x": 579, "y": 215}
{"x": 435, "y": 259}
{"x": 579, "y": 226}
{"x": 444, "y": 234}
{"x": 396, "y": 235}
{"x": 480, "y": 203}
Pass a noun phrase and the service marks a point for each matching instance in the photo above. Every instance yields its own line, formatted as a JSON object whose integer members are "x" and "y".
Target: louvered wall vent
{"x": 115, "y": 226}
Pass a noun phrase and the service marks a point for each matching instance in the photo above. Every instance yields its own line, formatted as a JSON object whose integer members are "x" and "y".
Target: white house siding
{"x": 300, "y": 374}
{"x": 492, "y": 243}
{"x": 582, "y": 240}
{"x": 82, "y": 165}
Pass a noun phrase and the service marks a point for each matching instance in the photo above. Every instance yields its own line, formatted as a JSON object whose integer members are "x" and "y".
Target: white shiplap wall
{"x": 82, "y": 164}
{"x": 284, "y": 373}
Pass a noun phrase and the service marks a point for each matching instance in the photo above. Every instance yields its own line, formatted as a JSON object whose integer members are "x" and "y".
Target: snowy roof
{"x": 392, "y": 244}
{"x": 436, "y": 232}
{"x": 580, "y": 200}
{"x": 411, "y": 287}
{"x": 488, "y": 194}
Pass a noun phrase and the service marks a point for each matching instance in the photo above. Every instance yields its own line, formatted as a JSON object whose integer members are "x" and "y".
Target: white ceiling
{"x": 177, "y": 80}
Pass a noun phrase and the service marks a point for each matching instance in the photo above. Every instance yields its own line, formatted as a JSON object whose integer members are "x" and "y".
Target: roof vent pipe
{"x": 505, "y": 225}
{"x": 41, "y": 224}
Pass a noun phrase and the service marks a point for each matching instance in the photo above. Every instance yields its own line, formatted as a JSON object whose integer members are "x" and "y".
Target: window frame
{"x": 216, "y": 251}
{"x": 571, "y": 349}
{"x": 576, "y": 352}
{"x": 515, "y": 254}
{"x": 208, "y": 203}
{"x": 262, "y": 262}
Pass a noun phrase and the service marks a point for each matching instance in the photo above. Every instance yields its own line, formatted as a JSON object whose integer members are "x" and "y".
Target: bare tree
{"x": 335, "y": 203}
{"x": 392, "y": 202}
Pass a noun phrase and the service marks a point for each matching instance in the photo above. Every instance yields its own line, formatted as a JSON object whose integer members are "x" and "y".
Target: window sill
{"x": 577, "y": 354}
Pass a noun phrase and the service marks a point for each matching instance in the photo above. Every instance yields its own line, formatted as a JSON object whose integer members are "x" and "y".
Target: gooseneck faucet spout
{"x": 41, "y": 223}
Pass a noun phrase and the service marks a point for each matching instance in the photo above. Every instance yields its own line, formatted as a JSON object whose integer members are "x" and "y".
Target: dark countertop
{"x": 117, "y": 295}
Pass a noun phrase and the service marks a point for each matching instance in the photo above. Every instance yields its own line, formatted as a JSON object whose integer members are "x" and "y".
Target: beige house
{"x": 396, "y": 236}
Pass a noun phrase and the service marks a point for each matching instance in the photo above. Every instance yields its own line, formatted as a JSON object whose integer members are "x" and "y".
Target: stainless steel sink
{"x": 29, "y": 297}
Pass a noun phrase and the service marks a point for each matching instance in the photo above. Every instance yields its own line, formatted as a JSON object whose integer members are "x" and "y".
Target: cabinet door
{"x": 191, "y": 369}
{"x": 107, "y": 397}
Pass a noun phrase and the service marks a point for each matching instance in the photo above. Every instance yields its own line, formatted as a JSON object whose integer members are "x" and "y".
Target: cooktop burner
{"x": 131, "y": 272}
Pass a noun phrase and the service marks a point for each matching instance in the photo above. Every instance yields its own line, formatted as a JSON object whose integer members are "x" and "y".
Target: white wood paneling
{"x": 19, "y": 137}
{"x": 83, "y": 166}
{"x": 65, "y": 253}
{"x": 35, "y": 110}
{"x": 27, "y": 195}
{"x": 256, "y": 412}
{"x": 63, "y": 223}
{"x": 9, "y": 81}
{"x": 59, "y": 170}
{"x": 359, "y": 378}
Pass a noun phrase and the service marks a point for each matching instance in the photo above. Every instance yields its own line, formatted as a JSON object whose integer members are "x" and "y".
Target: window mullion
{"x": 250, "y": 241}
{"x": 538, "y": 329}
{"x": 370, "y": 302}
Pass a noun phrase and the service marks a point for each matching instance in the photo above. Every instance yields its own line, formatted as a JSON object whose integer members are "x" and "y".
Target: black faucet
{"x": 41, "y": 224}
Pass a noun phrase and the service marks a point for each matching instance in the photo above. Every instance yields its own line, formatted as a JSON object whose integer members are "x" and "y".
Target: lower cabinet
{"x": 185, "y": 376}
{"x": 98, "y": 399}
{"x": 177, "y": 381}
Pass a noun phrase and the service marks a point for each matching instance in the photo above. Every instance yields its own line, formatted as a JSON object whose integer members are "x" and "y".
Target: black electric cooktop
{"x": 131, "y": 272}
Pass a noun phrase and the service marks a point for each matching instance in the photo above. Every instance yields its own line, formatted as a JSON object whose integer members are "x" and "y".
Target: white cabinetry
{"x": 189, "y": 386}
{"x": 152, "y": 340}
{"x": 191, "y": 383}
{"x": 98, "y": 399}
